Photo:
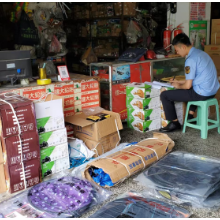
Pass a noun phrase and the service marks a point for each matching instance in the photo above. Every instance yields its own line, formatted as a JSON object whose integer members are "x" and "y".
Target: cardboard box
{"x": 216, "y": 59}
{"x": 53, "y": 153}
{"x": 215, "y": 25}
{"x": 143, "y": 126}
{"x": 11, "y": 148}
{"x": 104, "y": 145}
{"x": 95, "y": 130}
{"x": 123, "y": 164}
{"x": 144, "y": 115}
{"x": 24, "y": 111}
{"x": 49, "y": 114}
{"x": 212, "y": 49}
{"x": 70, "y": 130}
{"x": 55, "y": 166}
{"x": 141, "y": 91}
{"x": 15, "y": 177}
{"x": 53, "y": 138}
{"x": 144, "y": 104}
{"x": 3, "y": 187}
{"x": 215, "y": 38}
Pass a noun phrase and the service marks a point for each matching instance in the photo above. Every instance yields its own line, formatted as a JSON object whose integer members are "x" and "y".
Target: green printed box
{"x": 53, "y": 153}
{"x": 141, "y": 91}
{"x": 53, "y": 138}
{"x": 55, "y": 166}
{"x": 49, "y": 115}
{"x": 144, "y": 126}
{"x": 143, "y": 104}
{"x": 144, "y": 115}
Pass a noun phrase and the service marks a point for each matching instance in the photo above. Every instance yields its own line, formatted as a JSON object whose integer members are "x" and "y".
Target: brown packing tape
{"x": 123, "y": 164}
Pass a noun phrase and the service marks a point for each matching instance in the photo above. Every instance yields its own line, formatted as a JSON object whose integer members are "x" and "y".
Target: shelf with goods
{"x": 90, "y": 24}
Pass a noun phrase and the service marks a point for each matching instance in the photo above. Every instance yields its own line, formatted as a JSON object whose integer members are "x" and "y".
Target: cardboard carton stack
{"x": 129, "y": 8}
{"x": 52, "y": 135}
{"x": 79, "y": 93}
{"x": 143, "y": 107}
{"x": 214, "y": 53}
{"x": 100, "y": 136}
{"x": 180, "y": 110}
{"x": 215, "y": 34}
{"x": 19, "y": 150}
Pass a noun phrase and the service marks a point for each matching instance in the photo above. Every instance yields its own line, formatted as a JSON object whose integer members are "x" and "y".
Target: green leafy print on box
{"x": 41, "y": 122}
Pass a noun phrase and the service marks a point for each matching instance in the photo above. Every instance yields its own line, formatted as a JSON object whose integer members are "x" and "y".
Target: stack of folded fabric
{"x": 185, "y": 178}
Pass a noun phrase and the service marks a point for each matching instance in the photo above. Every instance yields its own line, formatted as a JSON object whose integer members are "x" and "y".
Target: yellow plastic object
{"x": 43, "y": 81}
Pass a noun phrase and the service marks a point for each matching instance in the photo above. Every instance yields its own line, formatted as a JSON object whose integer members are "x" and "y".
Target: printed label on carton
{"x": 33, "y": 93}
{"x": 144, "y": 126}
{"x": 55, "y": 166}
{"x": 144, "y": 115}
{"x": 53, "y": 138}
{"x": 89, "y": 85}
{"x": 54, "y": 153}
{"x": 144, "y": 104}
{"x": 63, "y": 89}
{"x": 141, "y": 91}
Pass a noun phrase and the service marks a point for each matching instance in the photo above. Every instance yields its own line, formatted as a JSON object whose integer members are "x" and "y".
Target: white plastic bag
{"x": 133, "y": 33}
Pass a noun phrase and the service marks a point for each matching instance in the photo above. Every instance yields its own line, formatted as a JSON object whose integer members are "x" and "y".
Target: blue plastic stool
{"x": 202, "y": 117}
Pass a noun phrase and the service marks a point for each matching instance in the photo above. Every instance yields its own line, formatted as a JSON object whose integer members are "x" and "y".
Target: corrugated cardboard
{"x": 49, "y": 113}
{"x": 212, "y": 49}
{"x": 216, "y": 59}
{"x": 104, "y": 145}
{"x": 215, "y": 25}
{"x": 123, "y": 164}
{"x": 95, "y": 130}
{"x": 2, "y": 179}
{"x": 215, "y": 38}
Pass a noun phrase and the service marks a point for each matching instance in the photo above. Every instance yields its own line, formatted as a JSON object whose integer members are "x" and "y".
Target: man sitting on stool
{"x": 201, "y": 81}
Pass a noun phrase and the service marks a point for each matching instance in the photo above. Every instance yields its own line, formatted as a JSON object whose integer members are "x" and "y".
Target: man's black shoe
{"x": 191, "y": 117}
{"x": 172, "y": 126}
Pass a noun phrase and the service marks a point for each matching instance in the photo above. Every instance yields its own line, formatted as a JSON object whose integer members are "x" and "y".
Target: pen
{"x": 174, "y": 77}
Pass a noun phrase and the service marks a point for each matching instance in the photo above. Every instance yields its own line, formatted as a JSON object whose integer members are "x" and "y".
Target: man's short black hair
{"x": 181, "y": 39}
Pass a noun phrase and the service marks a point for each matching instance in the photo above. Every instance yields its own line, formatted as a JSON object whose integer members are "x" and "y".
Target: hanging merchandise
{"x": 65, "y": 197}
{"x": 184, "y": 178}
{"x": 133, "y": 33}
{"x": 25, "y": 31}
{"x": 18, "y": 7}
{"x": 78, "y": 152}
{"x": 136, "y": 205}
{"x": 41, "y": 16}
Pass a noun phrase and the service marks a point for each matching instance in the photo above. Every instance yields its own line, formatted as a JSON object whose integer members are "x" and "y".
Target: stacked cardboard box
{"x": 101, "y": 10}
{"x": 180, "y": 110}
{"x": 79, "y": 93}
{"x": 52, "y": 135}
{"x": 19, "y": 144}
{"x": 99, "y": 137}
{"x": 143, "y": 107}
{"x": 129, "y": 8}
{"x": 214, "y": 53}
{"x": 215, "y": 34}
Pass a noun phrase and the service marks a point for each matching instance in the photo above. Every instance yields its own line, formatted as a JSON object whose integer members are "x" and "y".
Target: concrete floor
{"x": 189, "y": 142}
